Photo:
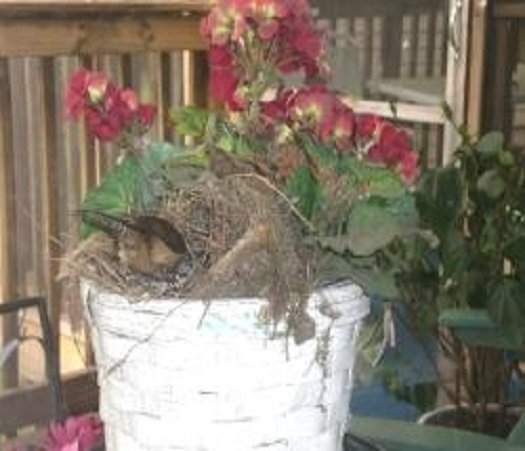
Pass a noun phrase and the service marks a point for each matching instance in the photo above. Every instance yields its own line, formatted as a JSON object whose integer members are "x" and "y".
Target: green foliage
{"x": 137, "y": 182}
{"x": 304, "y": 190}
{"x": 439, "y": 199}
{"x": 506, "y": 306}
{"x": 190, "y": 121}
{"x": 471, "y": 278}
{"x": 490, "y": 144}
{"x": 359, "y": 211}
{"x": 372, "y": 225}
{"x": 115, "y": 195}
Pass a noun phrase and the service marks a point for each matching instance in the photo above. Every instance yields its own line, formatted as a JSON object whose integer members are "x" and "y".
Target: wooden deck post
{"x": 8, "y": 235}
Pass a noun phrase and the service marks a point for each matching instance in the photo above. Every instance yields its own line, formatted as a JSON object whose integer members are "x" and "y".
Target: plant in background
{"x": 471, "y": 277}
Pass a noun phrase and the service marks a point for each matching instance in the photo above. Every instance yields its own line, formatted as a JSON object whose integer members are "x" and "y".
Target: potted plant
{"x": 470, "y": 280}
{"x": 219, "y": 293}
{"x": 78, "y": 433}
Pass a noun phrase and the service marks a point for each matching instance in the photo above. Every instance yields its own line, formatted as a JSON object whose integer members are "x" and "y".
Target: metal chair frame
{"x": 49, "y": 346}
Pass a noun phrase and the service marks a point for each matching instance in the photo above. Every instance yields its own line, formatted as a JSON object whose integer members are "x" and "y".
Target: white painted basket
{"x": 168, "y": 384}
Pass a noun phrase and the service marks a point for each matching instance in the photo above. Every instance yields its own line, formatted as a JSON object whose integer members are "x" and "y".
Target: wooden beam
{"x": 407, "y": 112}
{"x": 81, "y": 392}
{"x": 100, "y": 34}
{"x": 509, "y": 10}
{"x": 476, "y": 67}
{"x": 32, "y": 405}
{"x": 8, "y": 234}
{"x": 104, "y": 5}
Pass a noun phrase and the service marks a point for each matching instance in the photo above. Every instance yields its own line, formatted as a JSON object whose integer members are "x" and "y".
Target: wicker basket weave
{"x": 172, "y": 378}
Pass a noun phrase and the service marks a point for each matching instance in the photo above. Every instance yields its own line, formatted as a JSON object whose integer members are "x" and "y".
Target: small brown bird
{"x": 146, "y": 243}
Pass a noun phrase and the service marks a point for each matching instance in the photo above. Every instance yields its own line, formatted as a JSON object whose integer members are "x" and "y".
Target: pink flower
{"x": 146, "y": 114}
{"x": 223, "y": 78}
{"x": 227, "y": 21}
{"x": 313, "y": 107}
{"x": 409, "y": 167}
{"x": 276, "y": 110}
{"x": 393, "y": 144}
{"x": 103, "y": 126}
{"x": 129, "y": 97}
{"x": 301, "y": 46}
{"x": 76, "y": 434}
{"x": 268, "y": 14}
{"x": 97, "y": 86}
{"x": 393, "y": 149}
{"x": 366, "y": 125}
{"x": 343, "y": 128}
{"x": 76, "y": 93}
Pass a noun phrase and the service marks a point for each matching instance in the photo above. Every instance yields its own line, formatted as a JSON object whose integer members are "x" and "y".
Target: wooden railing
{"x": 46, "y": 163}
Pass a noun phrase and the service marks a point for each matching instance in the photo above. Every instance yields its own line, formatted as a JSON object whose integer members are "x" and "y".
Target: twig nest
{"x": 243, "y": 240}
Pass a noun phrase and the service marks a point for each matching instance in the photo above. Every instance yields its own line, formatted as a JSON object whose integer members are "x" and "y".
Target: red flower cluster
{"x": 322, "y": 113}
{"x": 390, "y": 146}
{"x": 286, "y": 36}
{"x": 109, "y": 111}
{"x": 254, "y": 42}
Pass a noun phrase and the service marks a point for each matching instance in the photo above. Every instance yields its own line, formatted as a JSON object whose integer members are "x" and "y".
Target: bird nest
{"x": 229, "y": 237}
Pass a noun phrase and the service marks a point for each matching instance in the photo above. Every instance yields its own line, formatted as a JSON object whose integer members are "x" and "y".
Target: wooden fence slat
{"x": 430, "y": 42}
{"x": 53, "y": 36}
{"x": 8, "y": 235}
{"x": 503, "y": 45}
{"x": 50, "y": 193}
{"x": 199, "y": 79}
{"x": 414, "y": 44}
{"x": 392, "y": 40}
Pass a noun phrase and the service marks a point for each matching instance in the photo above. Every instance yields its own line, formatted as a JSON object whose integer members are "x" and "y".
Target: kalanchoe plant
{"x": 348, "y": 175}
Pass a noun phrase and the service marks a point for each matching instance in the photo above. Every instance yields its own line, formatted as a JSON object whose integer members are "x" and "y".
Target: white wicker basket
{"x": 173, "y": 379}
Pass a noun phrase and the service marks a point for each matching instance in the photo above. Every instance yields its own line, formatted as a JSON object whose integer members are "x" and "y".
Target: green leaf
{"x": 361, "y": 270}
{"x": 515, "y": 252}
{"x": 372, "y": 225}
{"x": 491, "y": 183}
{"x": 490, "y": 144}
{"x": 439, "y": 199}
{"x": 454, "y": 255}
{"x": 304, "y": 190}
{"x": 506, "y": 158}
{"x": 154, "y": 163}
{"x": 380, "y": 182}
{"x": 115, "y": 195}
{"x": 190, "y": 121}
{"x": 506, "y": 306}
{"x": 476, "y": 328}
{"x": 232, "y": 142}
